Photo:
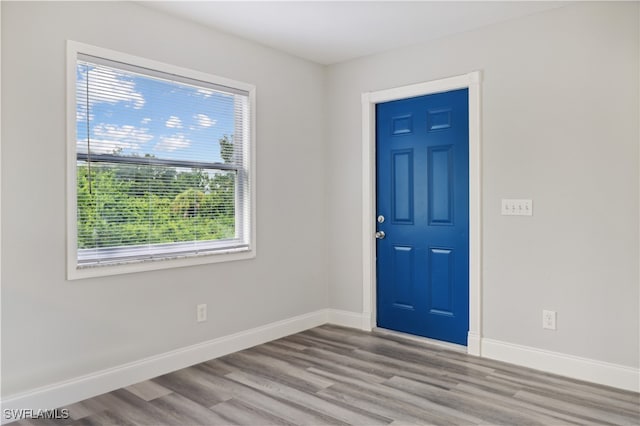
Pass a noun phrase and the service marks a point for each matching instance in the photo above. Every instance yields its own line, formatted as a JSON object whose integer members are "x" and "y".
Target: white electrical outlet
{"x": 549, "y": 320}
{"x": 512, "y": 207}
{"x": 201, "y": 313}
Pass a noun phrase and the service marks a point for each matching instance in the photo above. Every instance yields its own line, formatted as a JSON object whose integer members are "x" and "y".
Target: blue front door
{"x": 422, "y": 160}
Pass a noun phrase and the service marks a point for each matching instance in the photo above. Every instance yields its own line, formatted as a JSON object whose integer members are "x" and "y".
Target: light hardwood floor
{"x": 336, "y": 376}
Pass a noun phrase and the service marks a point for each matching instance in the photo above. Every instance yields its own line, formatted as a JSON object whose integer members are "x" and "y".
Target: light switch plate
{"x": 517, "y": 207}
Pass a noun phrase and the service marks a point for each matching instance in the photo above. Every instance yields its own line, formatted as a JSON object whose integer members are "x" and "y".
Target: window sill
{"x": 92, "y": 271}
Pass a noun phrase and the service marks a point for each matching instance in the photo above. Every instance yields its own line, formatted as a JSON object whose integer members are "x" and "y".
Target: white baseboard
{"x": 346, "y": 318}
{"x": 618, "y": 376}
{"x": 473, "y": 344}
{"x": 87, "y": 386}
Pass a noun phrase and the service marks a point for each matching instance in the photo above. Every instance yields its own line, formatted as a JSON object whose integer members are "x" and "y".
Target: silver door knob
{"x": 380, "y": 235}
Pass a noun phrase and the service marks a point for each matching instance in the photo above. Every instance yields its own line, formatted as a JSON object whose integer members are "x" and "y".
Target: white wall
{"x": 53, "y": 329}
{"x": 560, "y": 126}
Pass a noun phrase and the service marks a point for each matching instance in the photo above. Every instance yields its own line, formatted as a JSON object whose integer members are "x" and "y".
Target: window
{"x": 160, "y": 165}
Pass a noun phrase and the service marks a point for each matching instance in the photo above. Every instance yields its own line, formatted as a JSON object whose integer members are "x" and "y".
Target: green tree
{"x": 187, "y": 203}
{"x": 226, "y": 148}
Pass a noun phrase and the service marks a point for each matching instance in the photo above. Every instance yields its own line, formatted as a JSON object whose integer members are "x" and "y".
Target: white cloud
{"x": 171, "y": 143}
{"x": 125, "y": 133}
{"x": 109, "y": 86}
{"x": 81, "y": 115}
{"x": 111, "y": 138}
{"x": 102, "y": 146}
{"x": 146, "y": 120}
{"x": 204, "y": 120}
{"x": 174, "y": 122}
{"x": 204, "y": 92}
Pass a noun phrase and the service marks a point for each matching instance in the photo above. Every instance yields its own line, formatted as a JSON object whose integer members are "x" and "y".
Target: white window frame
{"x": 74, "y": 49}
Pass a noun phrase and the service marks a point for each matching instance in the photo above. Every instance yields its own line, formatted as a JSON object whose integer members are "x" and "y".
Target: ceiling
{"x": 329, "y": 32}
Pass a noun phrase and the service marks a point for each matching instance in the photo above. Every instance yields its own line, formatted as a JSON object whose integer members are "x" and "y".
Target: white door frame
{"x": 471, "y": 81}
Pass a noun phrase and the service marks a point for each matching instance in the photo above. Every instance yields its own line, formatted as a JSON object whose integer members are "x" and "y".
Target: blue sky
{"x": 135, "y": 114}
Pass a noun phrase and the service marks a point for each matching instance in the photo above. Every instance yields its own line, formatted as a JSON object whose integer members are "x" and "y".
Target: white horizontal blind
{"x": 161, "y": 164}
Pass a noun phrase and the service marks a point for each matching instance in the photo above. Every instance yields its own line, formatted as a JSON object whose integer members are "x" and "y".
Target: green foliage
{"x": 130, "y": 204}
{"x": 226, "y": 148}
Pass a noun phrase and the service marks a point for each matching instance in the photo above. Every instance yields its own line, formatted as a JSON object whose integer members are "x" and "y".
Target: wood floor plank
{"x": 550, "y": 384}
{"x": 408, "y": 398}
{"x": 534, "y": 411}
{"x": 429, "y": 365}
{"x": 89, "y": 407}
{"x": 93, "y": 407}
{"x": 590, "y": 413}
{"x": 365, "y": 373}
{"x": 308, "y": 400}
{"x": 600, "y": 404}
{"x": 381, "y": 404}
{"x": 241, "y": 413}
{"x": 465, "y": 403}
{"x": 104, "y": 418}
{"x": 148, "y": 390}
{"x": 480, "y": 384}
{"x": 332, "y": 375}
{"x": 271, "y": 403}
{"x": 280, "y": 370}
{"x": 290, "y": 345}
{"x": 381, "y": 344}
{"x": 189, "y": 383}
{"x": 395, "y": 362}
{"x": 317, "y": 342}
{"x": 132, "y": 408}
{"x": 181, "y": 410}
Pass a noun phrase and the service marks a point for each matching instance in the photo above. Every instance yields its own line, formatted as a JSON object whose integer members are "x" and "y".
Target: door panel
{"x": 440, "y": 185}
{"x": 403, "y": 266}
{"x": 422, "y": 156}
{"x": 441, "y": 281}
{"x": 402, "y": 192}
